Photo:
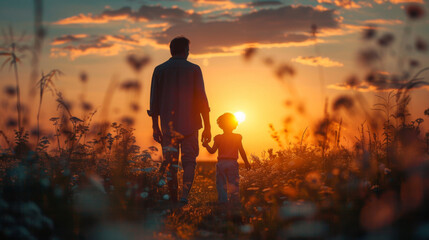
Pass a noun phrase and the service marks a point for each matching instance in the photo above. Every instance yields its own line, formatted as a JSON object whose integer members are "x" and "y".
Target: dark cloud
{"x": 264, "y": 3}
{"x": 219, "y": 33}
{"x": 144, "y": 13}
{"x": 166, "y": 14}
{"x": 381, "y": 81}
{"x": 68, "y": 38}
{"x": 267, "y": 26}
{"x": 105, "y": 45}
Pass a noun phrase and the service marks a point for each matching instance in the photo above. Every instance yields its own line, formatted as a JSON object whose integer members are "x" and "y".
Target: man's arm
{"x": 206, "y": 135}
{"x": 154, "y": 108}
{"x": 203, "y": 105}
{"x": 157, "y": 135}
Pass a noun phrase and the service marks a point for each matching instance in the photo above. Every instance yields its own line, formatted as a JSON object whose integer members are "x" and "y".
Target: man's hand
{"x": 247, "y": 165}
{"x": 157, "y": 135}
{"x": 206, "y": 137}
{"x": 206, "y": 144}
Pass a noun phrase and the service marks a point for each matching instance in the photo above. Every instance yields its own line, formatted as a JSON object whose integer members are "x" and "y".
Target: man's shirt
{"x": 178, "y": 96}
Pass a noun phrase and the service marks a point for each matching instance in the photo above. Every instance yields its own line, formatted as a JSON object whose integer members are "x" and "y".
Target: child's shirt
{"x": 228, "y": 145}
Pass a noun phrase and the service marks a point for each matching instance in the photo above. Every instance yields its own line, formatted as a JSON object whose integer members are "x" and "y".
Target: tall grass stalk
{"x": 18, "y": 94}
{"x": 45, "y": 83}
{"x": 13, "y": 60}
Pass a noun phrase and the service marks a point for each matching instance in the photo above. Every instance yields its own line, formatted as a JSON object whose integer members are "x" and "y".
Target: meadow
{"x": 89, "y": 180}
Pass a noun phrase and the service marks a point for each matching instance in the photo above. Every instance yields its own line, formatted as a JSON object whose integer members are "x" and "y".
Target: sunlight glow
{"x": 240, "y": 117}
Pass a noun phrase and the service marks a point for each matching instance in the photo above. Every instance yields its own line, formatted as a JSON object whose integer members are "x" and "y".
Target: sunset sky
{"x": 95, "y": 37}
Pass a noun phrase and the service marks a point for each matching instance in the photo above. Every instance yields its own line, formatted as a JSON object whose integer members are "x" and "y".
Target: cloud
{"x": 220, "y": 34}
{"x": 383, "y": 21}
{"x": 130, "y": 30}
{"x": 347, "y": 4}
{"x": 103, "y": 49}
{"x": 399, "y": 1}
{"x": 264, "y": 3}
{"x": 317, "y": 61}
{"x": 221, "y": 4}
{"x": 380, "y": 81}
{"x": 267, "y": 26}
{"x": 143, "y": 14}
{"x": 105, "y": 45}
{"x": 68, "y": 38}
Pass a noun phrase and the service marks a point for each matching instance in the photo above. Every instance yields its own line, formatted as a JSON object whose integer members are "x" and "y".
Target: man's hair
{"x": 179, "y": 45}
{"x": 227, "y": 120}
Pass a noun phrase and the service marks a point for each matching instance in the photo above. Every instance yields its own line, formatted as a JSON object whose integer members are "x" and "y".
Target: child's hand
{"x": 205, "y": 144}
{"x": 247, "y": 165}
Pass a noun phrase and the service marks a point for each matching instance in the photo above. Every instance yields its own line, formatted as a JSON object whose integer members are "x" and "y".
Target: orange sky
{"x": 232, "y": 83}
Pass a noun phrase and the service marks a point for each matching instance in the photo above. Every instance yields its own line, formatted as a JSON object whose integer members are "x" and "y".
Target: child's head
{"x": 227, "y": 122}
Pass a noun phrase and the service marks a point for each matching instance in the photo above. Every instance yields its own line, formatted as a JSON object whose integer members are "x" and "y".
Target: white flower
{"x": 144, "y": 195}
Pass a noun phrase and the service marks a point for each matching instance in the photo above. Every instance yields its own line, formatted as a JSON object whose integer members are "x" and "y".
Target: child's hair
{"x": 227, "y": 121}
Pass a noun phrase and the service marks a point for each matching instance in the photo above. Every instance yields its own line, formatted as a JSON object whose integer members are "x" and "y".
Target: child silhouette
{"x": 229, "y": 145}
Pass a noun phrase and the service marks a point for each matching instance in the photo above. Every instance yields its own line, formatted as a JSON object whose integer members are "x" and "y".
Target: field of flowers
{"x": 89, "y": 180}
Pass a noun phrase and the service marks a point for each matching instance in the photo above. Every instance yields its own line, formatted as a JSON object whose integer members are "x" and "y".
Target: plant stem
{"x": 38, "y": 120}
{"x": 18, "y": 95}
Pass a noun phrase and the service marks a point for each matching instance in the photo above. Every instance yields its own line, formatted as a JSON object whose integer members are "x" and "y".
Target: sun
{"x": 240, "y": 117}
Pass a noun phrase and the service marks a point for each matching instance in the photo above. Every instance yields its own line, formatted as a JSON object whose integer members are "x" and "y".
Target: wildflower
{"x": 368, "y": 57}
{"x": 414, "y": 63}
{"x": 313, "y": 30}
{"x": 297, "y": 209}
{"x": 283, "y": 70}
{"x": 34, "y": 132}
{"x": 343, "y": 101}
{"x": 137, "y": 62}
{"x": 169, "y": 149}
{"x": 97, "y": 182}
{"x": 166, "y": 197}
{"x": 10, "y": 91}
{"x": 313, "y": 179}
{"x": 386, "y": 40}
{"x": 421, "y": 45}
{"x": 249, "y": 53}
{"x": 86, "y": 106}
{"x": 161, "y": 183}
{"x": 387, "y": 171}
{"x": 131, "y": 85}
{"x": 135, "y": 107}
{"x": 147, "y": 169}
{"x": 83, "y": 76}
{"x": 369, "y": 33}
{"x": 352, "y": 81}
{"x": 127, "y": 120}
{"x": 414, "y": 11}
{"x": 75, "y": 120}
{"x": 11, "y": 122}
{"x": 144, "y": 195}
{"x": 247, "y": 228}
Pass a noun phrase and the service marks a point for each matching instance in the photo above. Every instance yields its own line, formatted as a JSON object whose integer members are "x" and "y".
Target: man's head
{"x": 179, "y": 46}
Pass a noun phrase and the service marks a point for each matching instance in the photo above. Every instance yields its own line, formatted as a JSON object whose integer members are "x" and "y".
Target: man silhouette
{"x": 178, "y": 97}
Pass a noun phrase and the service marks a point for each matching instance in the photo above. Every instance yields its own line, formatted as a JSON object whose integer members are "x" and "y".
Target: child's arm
{"x": 210, "y": 149}
{"x": 244, "y": 156}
